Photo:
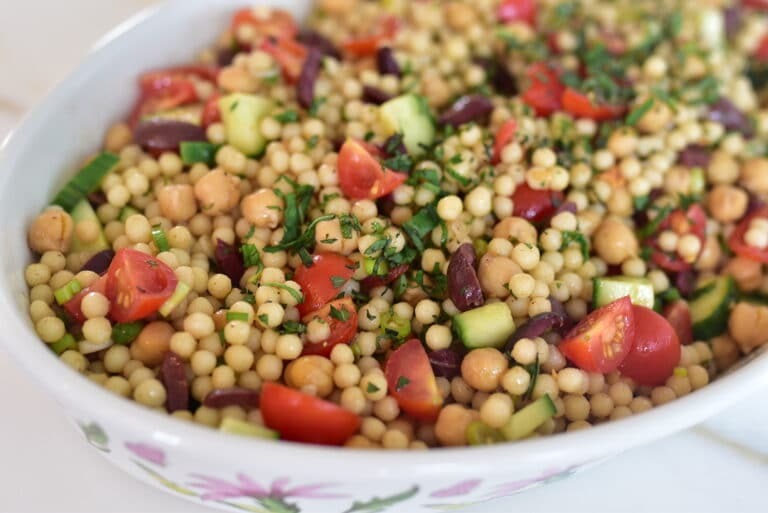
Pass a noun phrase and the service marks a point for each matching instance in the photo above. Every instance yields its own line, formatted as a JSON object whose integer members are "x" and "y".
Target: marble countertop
{"x": 721, "y": 465}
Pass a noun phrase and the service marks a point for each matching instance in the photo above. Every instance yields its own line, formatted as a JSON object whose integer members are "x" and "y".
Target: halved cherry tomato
{"x": 678, "y": 314}
{"x": 361, "y": 176}
{"x": 275, "y": 23}
{"x": 371, "y": 282}
{"x": 601, "y": 341}
{"x": 411, "y": 382}
{"x": 739, "y": 246}
{"x": 761, "y": 5}
{"x": 177, "y": 92}
{"x": 545, "y": 91}
{"x": 211, "y": 112}
{"x": 159, "y": 80}
{"x": 367, "y": 45}
{"x": 341, "y": 316}
{"x": 138, "y": 285}
{"x": 323, "y": 280}
{"x": 301, "y": 417}
{"x": 504, "y": 136}
{"x": 72, "y": 306}
{"x": 655, "y": 351}
{"x": 517, "y": 10}
{"x": 289, "y": 54}
{"x": 535, "y": 205}
{"x": 761, "y": 53}
{"x": 694, "y": 221}
{"x": 581, "y": 106}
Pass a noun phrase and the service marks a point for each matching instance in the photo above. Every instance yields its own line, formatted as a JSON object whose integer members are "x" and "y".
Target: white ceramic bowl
{"x": 229, "y": 471}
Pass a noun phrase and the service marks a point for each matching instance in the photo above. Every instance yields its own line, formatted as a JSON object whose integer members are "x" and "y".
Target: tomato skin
{"x": 601, "y": 341}
{"x": 739, "y": 246}
{"x": 761, "y": 53}
{"x": 544, "y": 91}
{"x": 279, "y": 23}
{"x": 367, "y": 45}
{"x": 693, "y": 220}
{"x": 361, "y": 176}
{"x": 342, "y": 332}
{"x": 581, "y": 106}
{"x": 137, "y": 285}
{"x": 211, "y": 112}
{"x": 517, "y": 10}
{"x": 72, "y": 307}
{"x": 761, "y": 5}
{"x": 533, "y": 204}
{"x": 177, "y": 92}
{"x": 411, "y": 381}
{"x": 504, "y": 136}
{"x": 655, "y": 351}
{"x": 154, "y": 81}
{"x": 316, "y": 283}
{"x": 678, "y": 314}
{"x": 300, "y": 417}
{"x": 288, "y": 53}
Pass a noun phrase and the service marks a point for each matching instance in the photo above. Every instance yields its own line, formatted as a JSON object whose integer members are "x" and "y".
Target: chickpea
{"x": 748, "y": 325}
{"x": 311, "y": 371}
{"x": 722, "y": 168}
{"x": 746, "y": 272}
{"x": 677, "y": 180}
{"x": 237, "y": 79}
{"x": 152, "y": 343}
{"x": 727, "y": 203}
{"x": 177, "y": 202}
{"x": 656, "y": 119}
{"x": 516, "y": 228}
{"x": 118, "y": 137}
{"x": 710, "y": 255}
{"x": 482, "y": 368}
{"x": 217, "y": 192}
{"x": 51, "y": 231}
{"x": 451, "y": 425}
{"x": 338, "y": 6}
{"x": 614, "y": 241}
{"x": 725, "y": 352}
{"x": 494, "y": 273}
{"x": 263, "y": 208}
{"x": 754, "y": 175}
{"x": 459, "y": 15}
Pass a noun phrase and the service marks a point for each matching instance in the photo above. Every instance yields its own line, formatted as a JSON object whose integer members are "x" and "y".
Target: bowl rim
{"x": 68, "y": 386}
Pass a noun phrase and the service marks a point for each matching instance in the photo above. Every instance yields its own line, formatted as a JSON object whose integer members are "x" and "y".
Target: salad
{"x": 419, "y": 224}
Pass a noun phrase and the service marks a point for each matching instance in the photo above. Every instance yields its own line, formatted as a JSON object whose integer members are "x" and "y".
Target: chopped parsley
{"x": 371, "y": 388}
{"x": 297, "y": 296}
{"x": 338, "y": 281}
{"x": 289, "y": 116}
{"x": 293, "y": 327}
{"x": 340, "y": 314}
{"x": 570, "y": 237}
{"x": 402, "y": 382}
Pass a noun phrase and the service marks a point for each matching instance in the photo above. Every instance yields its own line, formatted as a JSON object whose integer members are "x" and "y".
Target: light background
{"x": 45, "y": 465}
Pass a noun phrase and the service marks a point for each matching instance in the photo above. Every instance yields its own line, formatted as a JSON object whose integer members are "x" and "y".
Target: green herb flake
{"x": 289, "y": 116}
{"x": 402, "y": 382}
{"x": 297, "y": 296}
{"x": 371, "y": 389}
{"x": 338, "y": 281}
{"x": 638, "y": 112}
{"x": 341, "y": 314}
{"x": 570, "y": 237}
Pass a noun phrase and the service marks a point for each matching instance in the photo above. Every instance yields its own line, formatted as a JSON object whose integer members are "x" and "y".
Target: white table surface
{"x": 45, "y": 465}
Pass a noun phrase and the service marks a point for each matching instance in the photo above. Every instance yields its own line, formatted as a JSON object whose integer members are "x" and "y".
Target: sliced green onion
{"x": 65, "y": 343}
{"x": 297, "y": 296}
{"x": 372, "y": 269}
{"x": 126, "y": 332}
{"x": 395, "y": 326}
{"x": 237, "y": 316}
{"x": 680, "y": 372}
{"x": 67, "y": 292}
{"x": 193, "y": 152}
{"x": 161, "y": 241}
{"x": 480, "y": 433}
{"x": 420, "y": 225}
{"x": 86, "y": 180}
{"x": 239, "y": 427}
{"x": 182, "y": 289}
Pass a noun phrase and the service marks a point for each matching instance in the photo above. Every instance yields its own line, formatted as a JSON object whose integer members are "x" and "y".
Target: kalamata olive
{"x": 386, "y": 204}
{"x": 685, "y": 282}
{"x": 99, "y": 263}
{"x": 499, "y": 76}
{"x": 536, "y": 327}
{"x": 159, "y": 135}
{"x": 466, "y": 109}
{"x": 97, "y": 198}
{"x": 394, "y": 146}
{"x": 463, "y": 285}
{"x": 733, "y": 19}
{"x": 221, "y": 398}
{"x": 305, "y": 87}
{"x": 229, "y": 261}
{"x": 375, "y": 95}
{"x": 386, "y": 62}
{"x": 446, "y": 363}
{"x": 174, "y": 379}
{"x": 723, "y": 111}
{"x": 225, "y": 56}
{"x": 568, "y": 206}
{"x": 313, "y": 39}
{"x": 694, "y": 155}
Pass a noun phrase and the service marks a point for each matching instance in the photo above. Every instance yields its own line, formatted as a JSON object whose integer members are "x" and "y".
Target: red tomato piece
{"x": 138, "y": 285}
{"x": 289, "y": 54}
{"x": 361, "y": 176}
{"x": 72, "y": 307}
{"x": 504, "y": 136}
{"x": 272, "y": 22}
{"x": 545, "y": 91}
{"x": 159, "y": 80}
{"x": 517, "y": 10}
{"x": 341, "y": 316}
{"x": 301, "y": 417}
{"x": 739, "y": 246}
{"x": 678, "y": 314}
{"x": 411, "y": 382}
{"x": 601, "y": 341}
{"x": 761, "y": 5}
{"x": 371, "y": 282}
{"x": 211, "y": 112}
{"x": 178, "y": 91}
{"x": 655, "y": 351}
{"x": 682, "y": 222}
{"x": 322, "y": 281}
{"x": 367, "y": 45}
{"x": 581, "y": 106}
{"x": 533, "y": 204}
{"x": 761, "y": 53}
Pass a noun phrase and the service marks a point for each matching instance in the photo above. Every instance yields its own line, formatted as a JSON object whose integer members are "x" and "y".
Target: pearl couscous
{"x": 424, "y": 224}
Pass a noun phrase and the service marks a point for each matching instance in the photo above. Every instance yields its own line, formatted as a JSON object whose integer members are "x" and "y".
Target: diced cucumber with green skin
{"x": 192, "y": 114}
{"x": 242, "y": 115}
{"x": 409, "y": 115}
{"x": 525, "y": 421}
{"x": 608, "y": 290}
{"x": 84, "y": 212}
{"x": 238, "y": 427}
{"x": 710, "y": 307}
{"x": 486, "y": 326}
